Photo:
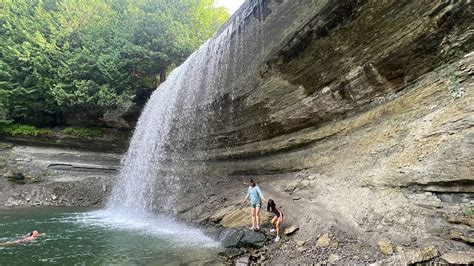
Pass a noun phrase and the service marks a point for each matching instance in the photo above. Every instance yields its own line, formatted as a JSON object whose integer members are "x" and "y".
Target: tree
{"x": 63, "y": 58}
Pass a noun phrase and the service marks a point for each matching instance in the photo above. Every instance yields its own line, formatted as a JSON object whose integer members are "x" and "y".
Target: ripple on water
{"x": 101, "y": 237}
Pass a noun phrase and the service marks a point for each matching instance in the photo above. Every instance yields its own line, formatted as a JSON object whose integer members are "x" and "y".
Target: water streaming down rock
{"x": 169, "y": 127}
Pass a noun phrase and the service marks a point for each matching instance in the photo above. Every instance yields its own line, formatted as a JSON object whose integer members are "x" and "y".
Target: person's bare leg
{"x": 274, "y": 219}
{"x": 258, "y": 217}
{"x": 252, "y": 213}
{"x": 278, "y": 225}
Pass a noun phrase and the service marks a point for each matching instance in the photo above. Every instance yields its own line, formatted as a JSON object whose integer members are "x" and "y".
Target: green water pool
{"x": 100, "y": 237}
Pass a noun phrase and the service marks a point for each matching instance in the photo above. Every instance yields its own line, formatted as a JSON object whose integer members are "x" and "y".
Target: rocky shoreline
{"x": 39, "y": 176}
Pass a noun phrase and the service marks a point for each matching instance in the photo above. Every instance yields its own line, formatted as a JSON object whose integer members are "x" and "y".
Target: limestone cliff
{"x": 356, "y": 113}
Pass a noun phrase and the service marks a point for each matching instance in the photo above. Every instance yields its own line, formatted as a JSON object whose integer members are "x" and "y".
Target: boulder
{"x": 323, "y": 241}
{"x": 252, "y": 239}
{"x": 385, "y": 246}
{"x": 333, "y": 258}
{"x": 237, "y": 238}
{"x": 244, "y": 261}
{"x": 230, "y": 238}
{"x": 411, "y": 257}
{"x": 459, "y": 257}
{"x": 291, "y": 230}
{"x": 300, "y": 243}
{"x": 17, "y": 177}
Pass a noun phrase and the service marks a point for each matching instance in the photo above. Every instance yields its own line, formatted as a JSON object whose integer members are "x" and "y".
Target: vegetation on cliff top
{"x": 10, "y": 129}
{"x": 86, "y": 60}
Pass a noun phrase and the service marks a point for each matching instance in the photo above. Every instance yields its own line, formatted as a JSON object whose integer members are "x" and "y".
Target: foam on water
{"x": 148, "y": 224}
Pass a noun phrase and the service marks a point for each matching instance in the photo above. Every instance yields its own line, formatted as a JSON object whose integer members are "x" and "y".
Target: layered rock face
{"x": 301, "y": 69}
{"x": 355, "y": 112}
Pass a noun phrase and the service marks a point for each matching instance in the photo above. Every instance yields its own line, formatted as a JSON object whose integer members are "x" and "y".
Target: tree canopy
{"x": 86, "y": 59}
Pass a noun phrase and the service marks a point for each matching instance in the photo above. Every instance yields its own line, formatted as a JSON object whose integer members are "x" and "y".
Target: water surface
{"x": 78, "y": 237}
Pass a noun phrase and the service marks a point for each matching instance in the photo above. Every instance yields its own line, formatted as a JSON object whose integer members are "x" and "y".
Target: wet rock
{"x": 291, "y": 230}
{"x": 231, "y": 253}
{"x": 230, "y": 238}
{"x": 237, "y": 238}
{"x": 16, "y": 177}
{"x": 54, "y": 197}
{"x": 459, "y": 257}
{"x": 252, "y": 239}
{"x": 323, "y": 241}
{"x": 219, "y": 214}
{"x": 385, "y": 246}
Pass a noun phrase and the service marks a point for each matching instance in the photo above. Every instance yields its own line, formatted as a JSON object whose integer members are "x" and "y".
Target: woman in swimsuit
{"x": 31, "y": 236}
{"x": 277, "y": 219}
{"x": 256, "y": 197}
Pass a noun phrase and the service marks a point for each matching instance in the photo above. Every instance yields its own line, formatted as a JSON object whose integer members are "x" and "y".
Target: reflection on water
{"x": 99, "y": 237}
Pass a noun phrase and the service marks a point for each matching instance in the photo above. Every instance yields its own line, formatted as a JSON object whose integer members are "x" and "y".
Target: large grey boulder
{"x": 237, "y": 238}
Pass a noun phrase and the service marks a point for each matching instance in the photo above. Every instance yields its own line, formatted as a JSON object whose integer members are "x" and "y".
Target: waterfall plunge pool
{"x": 101, "y": 237}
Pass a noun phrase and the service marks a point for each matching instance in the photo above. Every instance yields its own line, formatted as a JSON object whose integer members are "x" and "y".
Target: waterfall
{"x": 164, "y": 125}
{"x": 181, "y": 113}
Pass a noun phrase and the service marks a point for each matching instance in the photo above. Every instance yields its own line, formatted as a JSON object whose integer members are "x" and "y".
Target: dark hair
{"x": 271, "y": 205}
{"x": 30, "y": 234}
{"x": 252, "y": 183}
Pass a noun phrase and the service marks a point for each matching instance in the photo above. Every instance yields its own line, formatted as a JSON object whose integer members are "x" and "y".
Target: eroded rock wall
{"x": 353, "y": 113}
{"x": 358, "y": 87}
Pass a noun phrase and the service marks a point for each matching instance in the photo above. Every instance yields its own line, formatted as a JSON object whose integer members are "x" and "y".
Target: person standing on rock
{"x": 256, "y": 197}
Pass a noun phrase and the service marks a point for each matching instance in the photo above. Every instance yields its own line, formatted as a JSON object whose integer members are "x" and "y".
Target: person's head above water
{"x": 252, "y": 183}
{"x": 34, "y": 234}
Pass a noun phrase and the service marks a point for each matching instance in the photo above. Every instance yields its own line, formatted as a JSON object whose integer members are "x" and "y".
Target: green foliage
{"x": 66, "y": 58}
{"x": 84, "y": 132}
{"x": 22, "y": 130}
{"x": 454, "y": 86}
{"x": 470, "y": 212}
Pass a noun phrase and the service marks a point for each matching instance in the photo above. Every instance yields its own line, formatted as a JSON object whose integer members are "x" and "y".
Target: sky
{"x": 231, "y": 5}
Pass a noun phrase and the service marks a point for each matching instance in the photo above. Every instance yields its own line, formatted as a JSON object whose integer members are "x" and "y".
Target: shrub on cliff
{"x": 22, "y": 130}
{"x": 84, "y": 132}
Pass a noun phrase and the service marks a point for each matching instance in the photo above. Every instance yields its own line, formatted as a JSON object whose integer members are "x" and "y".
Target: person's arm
{"x": 246, "y": 197}
{"x": 261, "y": 195}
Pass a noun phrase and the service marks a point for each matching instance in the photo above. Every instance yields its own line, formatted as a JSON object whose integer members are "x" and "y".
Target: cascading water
{"x": 171, "y": 106}
{"x": 170, "y": 127}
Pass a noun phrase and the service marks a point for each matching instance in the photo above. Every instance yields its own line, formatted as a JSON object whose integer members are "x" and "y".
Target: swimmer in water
{"x": 31, "y": 236}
